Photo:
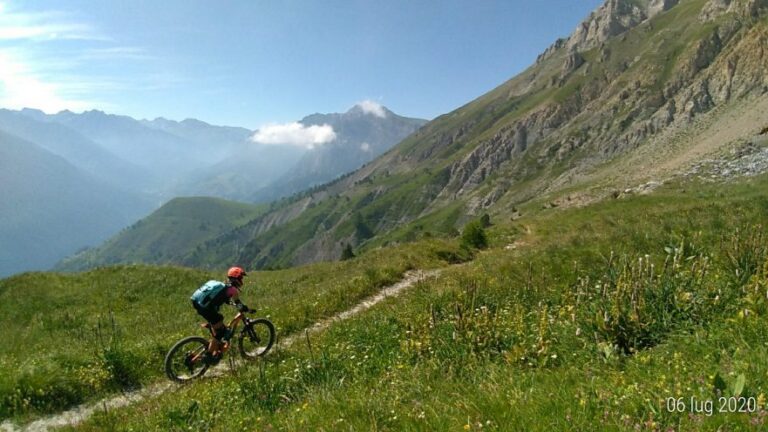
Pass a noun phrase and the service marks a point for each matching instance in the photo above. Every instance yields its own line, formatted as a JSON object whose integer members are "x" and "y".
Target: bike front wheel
{"x": 256, "y": 338}
{"x": 186, "y": 360}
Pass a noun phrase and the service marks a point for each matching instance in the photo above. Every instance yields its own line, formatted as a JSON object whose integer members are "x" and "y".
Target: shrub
{"x": 347, "y": 253}
{"x": 362, "y": 230}
{"x": 474, "y": 236}
{"x": 485, "y": 220}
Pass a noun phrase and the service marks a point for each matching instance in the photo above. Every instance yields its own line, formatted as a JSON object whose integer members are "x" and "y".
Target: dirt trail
{"x": 82, "y": 412}
{"x": 410, "y": 278}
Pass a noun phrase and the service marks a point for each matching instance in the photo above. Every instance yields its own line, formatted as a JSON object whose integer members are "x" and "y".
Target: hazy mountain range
{"x": 50, "y": 207}
{"x": 116, "y": 169}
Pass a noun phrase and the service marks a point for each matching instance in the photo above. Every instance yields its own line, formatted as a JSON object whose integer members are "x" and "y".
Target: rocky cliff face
{"x": 745, "y": 9}
{"x": 616, "y": 108}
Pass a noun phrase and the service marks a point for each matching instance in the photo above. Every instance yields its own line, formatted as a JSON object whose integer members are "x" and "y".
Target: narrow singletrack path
{"x": 81, "y": 413}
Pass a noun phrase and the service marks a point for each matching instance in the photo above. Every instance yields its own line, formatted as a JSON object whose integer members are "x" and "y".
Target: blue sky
{"x": 255, "y": 62}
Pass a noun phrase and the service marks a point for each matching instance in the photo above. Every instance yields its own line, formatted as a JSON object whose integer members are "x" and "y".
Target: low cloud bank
{"x": 295, "y": 134}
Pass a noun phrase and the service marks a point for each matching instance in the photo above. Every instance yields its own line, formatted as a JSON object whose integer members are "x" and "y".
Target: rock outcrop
{"x": 612, "y": 18}
{"x": 573, "y": 61}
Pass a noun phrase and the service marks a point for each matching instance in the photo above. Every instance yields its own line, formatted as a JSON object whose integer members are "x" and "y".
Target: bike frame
{"x": 235, "y": 321}
{"x": 225, "y": 345}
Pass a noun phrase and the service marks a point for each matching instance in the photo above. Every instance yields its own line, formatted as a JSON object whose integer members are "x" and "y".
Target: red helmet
{"x": 236, "y": 272}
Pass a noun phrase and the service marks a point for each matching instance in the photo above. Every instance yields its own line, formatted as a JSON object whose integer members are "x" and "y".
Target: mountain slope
{"x": 251, "y": 166}
{"x": 165, "y": 156}
{"x": 78, "y": 150}
{"x": 217, "y": 142}
{"x": 129, "y": 139}
{"x": 362, "y": 134}
{"x": 180, "y": 225}
{"x": 632, "y": 92}
{"x": 51, "y": 209}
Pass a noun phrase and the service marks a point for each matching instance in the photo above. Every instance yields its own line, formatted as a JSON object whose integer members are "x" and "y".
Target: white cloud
{"x": 62, "y": 31}
{"x": 295, "y": 134}
{"x": 114, "y": 53}
{"x": 365, "y": 147}
{"x": 36, "y": 73}
{"x": 42, "y": 26}
{"x": 21, "y": 88}
{"x": 373, "y": 108}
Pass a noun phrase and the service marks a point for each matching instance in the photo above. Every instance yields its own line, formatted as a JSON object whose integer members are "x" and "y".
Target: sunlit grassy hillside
{"x": 80, "y": 336}
{"x": 580, "y": 319}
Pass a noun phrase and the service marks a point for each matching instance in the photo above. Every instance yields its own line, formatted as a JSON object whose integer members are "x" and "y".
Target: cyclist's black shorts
{"x": 210, "y": 314}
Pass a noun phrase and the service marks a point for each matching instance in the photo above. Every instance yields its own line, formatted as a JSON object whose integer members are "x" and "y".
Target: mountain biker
{"x": 208, "y": 299}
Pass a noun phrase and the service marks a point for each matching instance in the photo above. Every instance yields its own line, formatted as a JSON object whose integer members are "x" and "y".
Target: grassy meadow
{"x": 641, "y": 313}
{"x": 76, "y": 337}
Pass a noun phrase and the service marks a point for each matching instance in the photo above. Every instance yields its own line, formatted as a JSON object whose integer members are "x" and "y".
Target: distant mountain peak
{"x": 194, "y": 122}
{"x": 369, "y": 107}
{"x": 32, "y": 111}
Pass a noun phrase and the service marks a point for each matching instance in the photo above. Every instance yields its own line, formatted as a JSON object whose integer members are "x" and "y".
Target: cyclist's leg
{"x": 219, "y": 331}
{"x": 216, "y": 321}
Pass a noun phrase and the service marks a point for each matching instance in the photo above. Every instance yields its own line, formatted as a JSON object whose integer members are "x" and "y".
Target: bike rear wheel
{"x": 256, "y": 338}
{"x": 186, "y": 359}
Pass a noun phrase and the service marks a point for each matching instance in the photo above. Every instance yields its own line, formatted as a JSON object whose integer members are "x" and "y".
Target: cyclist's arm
{"x": 234, "y": 299}
{"x": 232, "y": 294}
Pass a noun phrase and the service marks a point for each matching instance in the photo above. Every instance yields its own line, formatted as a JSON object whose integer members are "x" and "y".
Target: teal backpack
{"x": 206, "y": 293}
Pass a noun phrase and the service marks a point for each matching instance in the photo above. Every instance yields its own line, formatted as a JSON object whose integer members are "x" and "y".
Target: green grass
{"x": 79, "y": 336}
{"x": 569, "y": 331}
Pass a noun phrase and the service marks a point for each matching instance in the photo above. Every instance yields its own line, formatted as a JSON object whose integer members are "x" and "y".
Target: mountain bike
{"x": 189, "y": 357}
